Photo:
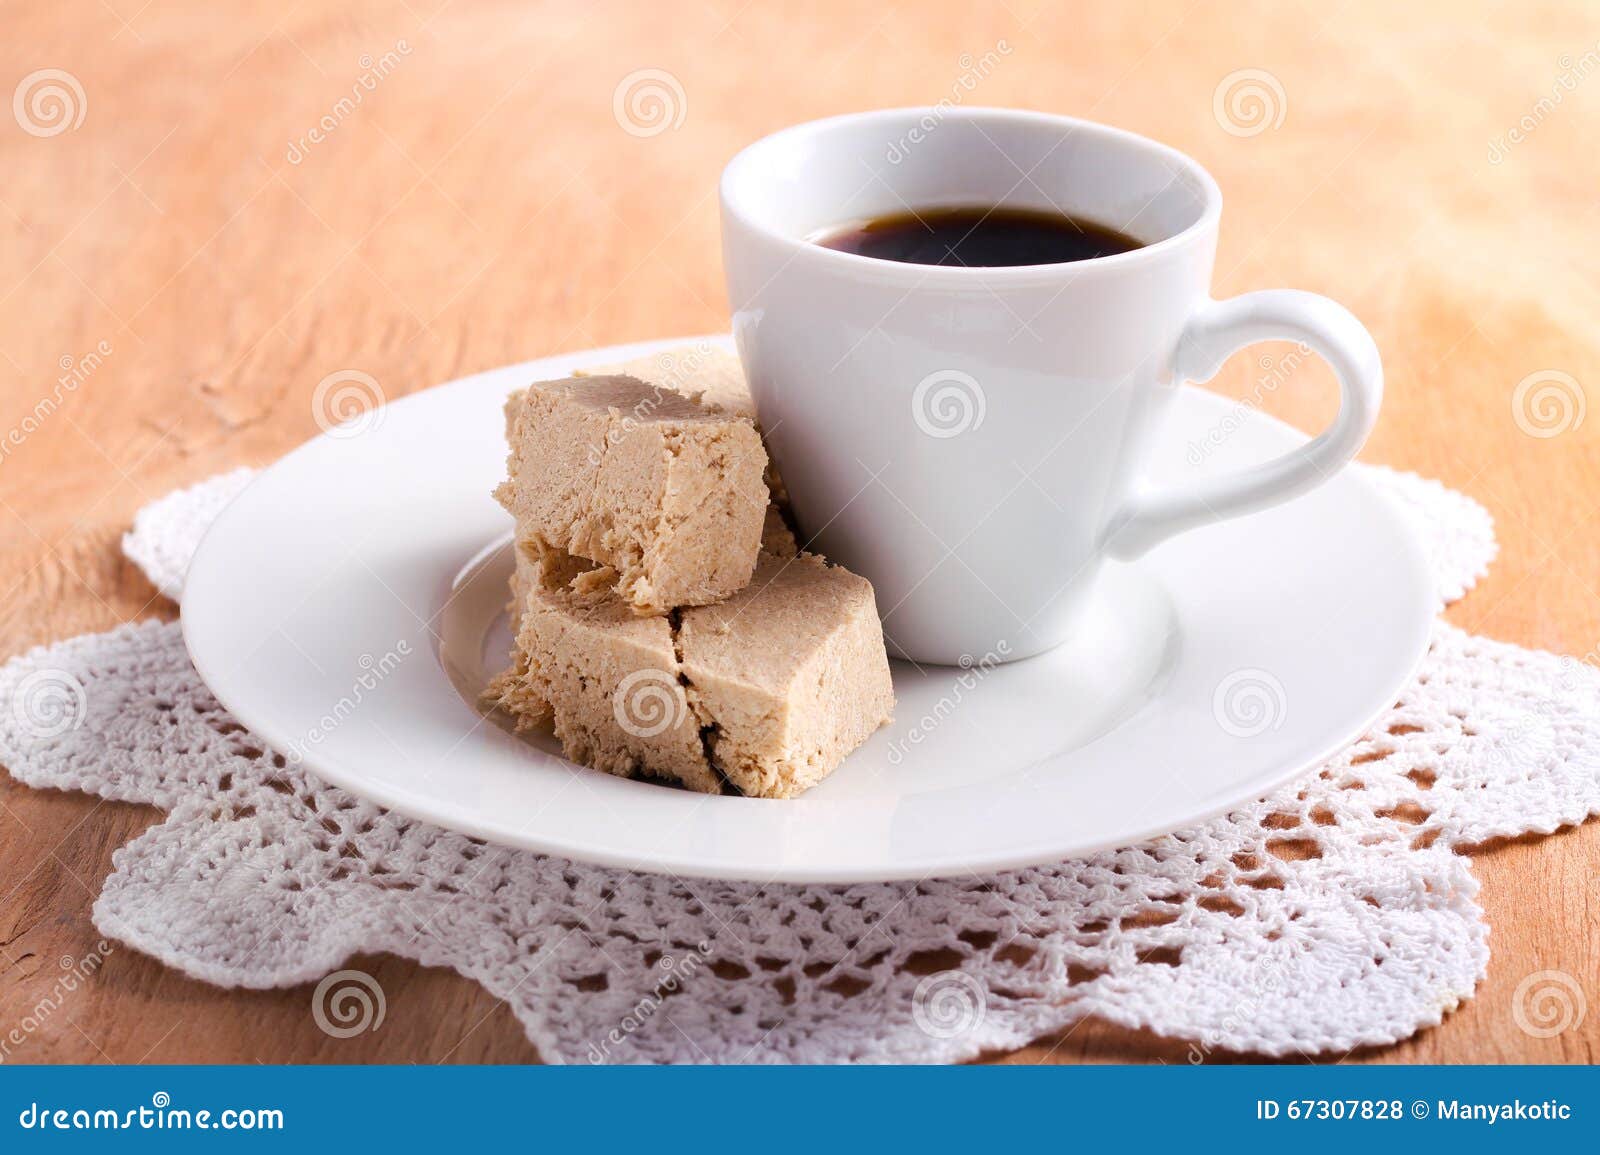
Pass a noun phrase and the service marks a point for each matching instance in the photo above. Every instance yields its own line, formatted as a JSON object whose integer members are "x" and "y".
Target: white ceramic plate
{"x": 348, "y": 606}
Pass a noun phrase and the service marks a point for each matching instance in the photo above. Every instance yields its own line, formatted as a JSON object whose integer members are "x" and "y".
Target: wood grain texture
{"x": 482, "y": 205}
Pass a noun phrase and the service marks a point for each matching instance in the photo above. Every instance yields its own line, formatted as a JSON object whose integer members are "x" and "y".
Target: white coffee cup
{"x": 972, "y": 440}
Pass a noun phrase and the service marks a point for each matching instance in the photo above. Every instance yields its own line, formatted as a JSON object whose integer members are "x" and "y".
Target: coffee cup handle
{"x": 1215, "y": 332}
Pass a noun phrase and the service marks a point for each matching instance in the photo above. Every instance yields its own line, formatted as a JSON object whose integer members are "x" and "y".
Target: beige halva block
{"x": 776, "y": 536}
{"x": 714, "y": 379}
{"x": 704, "y": 373}
{"x": 788, "y": 675}
{"x": 664, "y": 490}
{"x": 768, "y": 690}
{"x": 605, "y": 678}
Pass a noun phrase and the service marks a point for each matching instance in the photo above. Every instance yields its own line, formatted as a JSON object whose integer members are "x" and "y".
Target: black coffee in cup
{"x": 979, "y": 237}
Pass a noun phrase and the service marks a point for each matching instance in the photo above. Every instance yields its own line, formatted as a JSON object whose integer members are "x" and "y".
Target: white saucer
{"x": 348, "y": 606}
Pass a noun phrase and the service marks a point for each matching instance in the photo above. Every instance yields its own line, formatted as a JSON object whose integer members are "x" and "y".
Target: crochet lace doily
{"x": 1334, "y": 914}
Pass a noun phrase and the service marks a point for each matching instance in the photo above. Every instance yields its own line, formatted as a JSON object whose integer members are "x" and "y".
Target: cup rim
{"x": 957, "y": 276}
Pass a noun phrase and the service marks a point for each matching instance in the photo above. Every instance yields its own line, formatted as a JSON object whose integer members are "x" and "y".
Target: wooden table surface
{"x": 182, "y": 242}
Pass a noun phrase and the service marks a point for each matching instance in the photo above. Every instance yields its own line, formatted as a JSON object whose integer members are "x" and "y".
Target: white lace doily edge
{"x": 1460, "y": 559}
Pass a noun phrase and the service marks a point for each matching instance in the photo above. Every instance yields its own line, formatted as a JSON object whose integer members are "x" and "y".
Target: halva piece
{"x": 637, "y": 477}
